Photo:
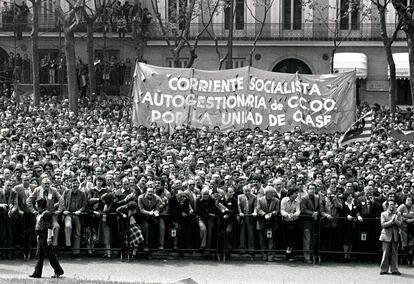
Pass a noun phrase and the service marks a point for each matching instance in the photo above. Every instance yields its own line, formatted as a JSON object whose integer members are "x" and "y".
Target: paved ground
{"x": 204, "y": 272}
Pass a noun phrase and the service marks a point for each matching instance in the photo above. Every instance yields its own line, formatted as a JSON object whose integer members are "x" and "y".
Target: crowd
{"x": 108, "y": 182}
{"x": 15, "y": 17}
{"x": 110, "y": 73}
{"x": 127, "y": 18}
{"x": 116, "y": 17}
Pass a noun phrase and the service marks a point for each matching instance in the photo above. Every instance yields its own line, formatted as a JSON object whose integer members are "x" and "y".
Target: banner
{"x": 243, "y": 98}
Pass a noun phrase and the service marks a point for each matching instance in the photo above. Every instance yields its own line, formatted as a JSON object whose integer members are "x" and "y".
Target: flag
{"x": 402, "y": 135}
{"x": 360, "y": 131}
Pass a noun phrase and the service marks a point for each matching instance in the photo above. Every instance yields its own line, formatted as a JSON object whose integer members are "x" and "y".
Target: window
{"x": 176, "y": 12}
{"x": 182, "y": 63}
{"x": 292, "y": 14}
{"x": 238, "y": 17}
{"x": 47, "y": 11}
{"x": 349, "y": 15}
{"x": 238, "y": 62}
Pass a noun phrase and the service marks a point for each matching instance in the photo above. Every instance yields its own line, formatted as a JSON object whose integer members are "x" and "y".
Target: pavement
{"x": 203, "y": 272}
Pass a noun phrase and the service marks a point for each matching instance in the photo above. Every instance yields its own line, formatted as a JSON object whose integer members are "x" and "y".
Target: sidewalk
{"x": 205, "y": 272}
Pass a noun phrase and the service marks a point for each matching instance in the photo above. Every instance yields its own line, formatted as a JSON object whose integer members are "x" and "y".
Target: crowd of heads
{"x": 100, "y": 141}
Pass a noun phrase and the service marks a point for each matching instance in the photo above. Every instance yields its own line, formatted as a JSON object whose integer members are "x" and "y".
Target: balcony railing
{"x": 273, "y": 31}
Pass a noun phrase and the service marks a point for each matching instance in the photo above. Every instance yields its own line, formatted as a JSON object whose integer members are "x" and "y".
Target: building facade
{"x": 297, "y": 35}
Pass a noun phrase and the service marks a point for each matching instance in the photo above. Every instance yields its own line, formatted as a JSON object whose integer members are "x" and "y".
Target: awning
{"x": 349, "y": 61}
{"x": 402, "y": 66}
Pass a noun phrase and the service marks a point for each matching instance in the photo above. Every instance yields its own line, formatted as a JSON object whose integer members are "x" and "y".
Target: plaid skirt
{"x": 134, "y": 236}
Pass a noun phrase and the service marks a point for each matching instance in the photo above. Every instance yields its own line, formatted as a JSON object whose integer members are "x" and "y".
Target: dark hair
{"x": 292, "y": 190}
{"x": 41, "y": 203}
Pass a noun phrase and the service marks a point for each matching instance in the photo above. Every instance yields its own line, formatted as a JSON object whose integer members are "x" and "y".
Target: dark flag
{"x": 360, "y": 131}
{"x": 402, "y": 135}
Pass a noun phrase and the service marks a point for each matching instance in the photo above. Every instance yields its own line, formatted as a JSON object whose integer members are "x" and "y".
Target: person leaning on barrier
{"x": 407, "y": 227}
{"x": 72, "y": 203}
{"x": 179, "y": 211}
{"x": 93, "y": 227}
{"x": 290, "y": 211}
{"x": 25, "y": 218}
{"x": 8, "y": 209}
{"x": 227, "y": 206}
{"x": 268, "y": 208}
{"x": 149, "y": 205}
{"x": 206, "y": 211}
{"x": 310, "y": 209}
{"x": 390, "y": 223}
{"x": 331, "y": 205}
{"x": 46, "y": 191}
{"x": 133, "y": 234}
{"x": 350, "y": 215}
{"x": 246, "y": 203}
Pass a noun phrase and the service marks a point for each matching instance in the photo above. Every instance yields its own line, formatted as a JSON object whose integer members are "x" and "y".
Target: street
{"x": 197, "y": 271}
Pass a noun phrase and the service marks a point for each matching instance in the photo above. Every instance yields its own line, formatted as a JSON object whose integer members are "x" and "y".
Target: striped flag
{"x": 360, "y": 131}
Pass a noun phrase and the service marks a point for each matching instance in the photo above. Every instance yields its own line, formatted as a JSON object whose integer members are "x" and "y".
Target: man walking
{"x": 390, "y": 223}
{"x": 44, "y": 232}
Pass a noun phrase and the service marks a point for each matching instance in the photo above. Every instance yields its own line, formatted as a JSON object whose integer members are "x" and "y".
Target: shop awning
{"x": 348, "y": 61}
{"x": 402, "y": 66}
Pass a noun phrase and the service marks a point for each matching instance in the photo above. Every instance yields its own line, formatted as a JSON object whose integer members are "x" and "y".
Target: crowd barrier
{"x": 328, "y": 237}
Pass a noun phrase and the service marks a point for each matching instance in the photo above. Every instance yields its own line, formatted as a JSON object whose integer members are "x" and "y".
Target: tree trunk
{"x": 229, "y": 64}
{"x": 388, "y": 51}
{"x": 35, "y": 52}
{"x": 410, "y": 42}
{"x": 393, "y": 78}
{"x": 91, "y": 58}
{"x": 71, "y": 70}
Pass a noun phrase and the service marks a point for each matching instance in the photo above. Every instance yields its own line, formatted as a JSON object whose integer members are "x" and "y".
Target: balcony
{"x": 271, "y": 32}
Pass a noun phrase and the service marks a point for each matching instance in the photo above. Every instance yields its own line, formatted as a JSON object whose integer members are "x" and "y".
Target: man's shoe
{"x": 35, "y": 276}
{"x": 396, "y": 273}
{"x": 57, "y": 275}
{"x": 383, "y": 272}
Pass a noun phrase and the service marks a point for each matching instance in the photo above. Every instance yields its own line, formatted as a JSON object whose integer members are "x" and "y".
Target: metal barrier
{"x": 224, "y": 237}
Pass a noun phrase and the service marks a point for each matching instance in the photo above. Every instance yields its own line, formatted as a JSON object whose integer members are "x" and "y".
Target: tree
{"x": 177, "y": 30}
{"x": 339, "y": 28}
{"x": 382, "y": 6}
{"x": 35, "y": 51}
{"x": 266, "y": 4}
{"x": 90, "y": 15}
{"x": 70, "y": 22}
{"x": 405, "y": 14}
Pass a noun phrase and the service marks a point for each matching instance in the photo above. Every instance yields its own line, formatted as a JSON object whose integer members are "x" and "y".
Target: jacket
{"x": 246, "y": 206}
{"x": 263, "y": 208}
{"x": 389, "y": 231}
{"x": 52, "y": 198}
{"x": 307, "y": 208}
{"x": 80, "y": 202}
